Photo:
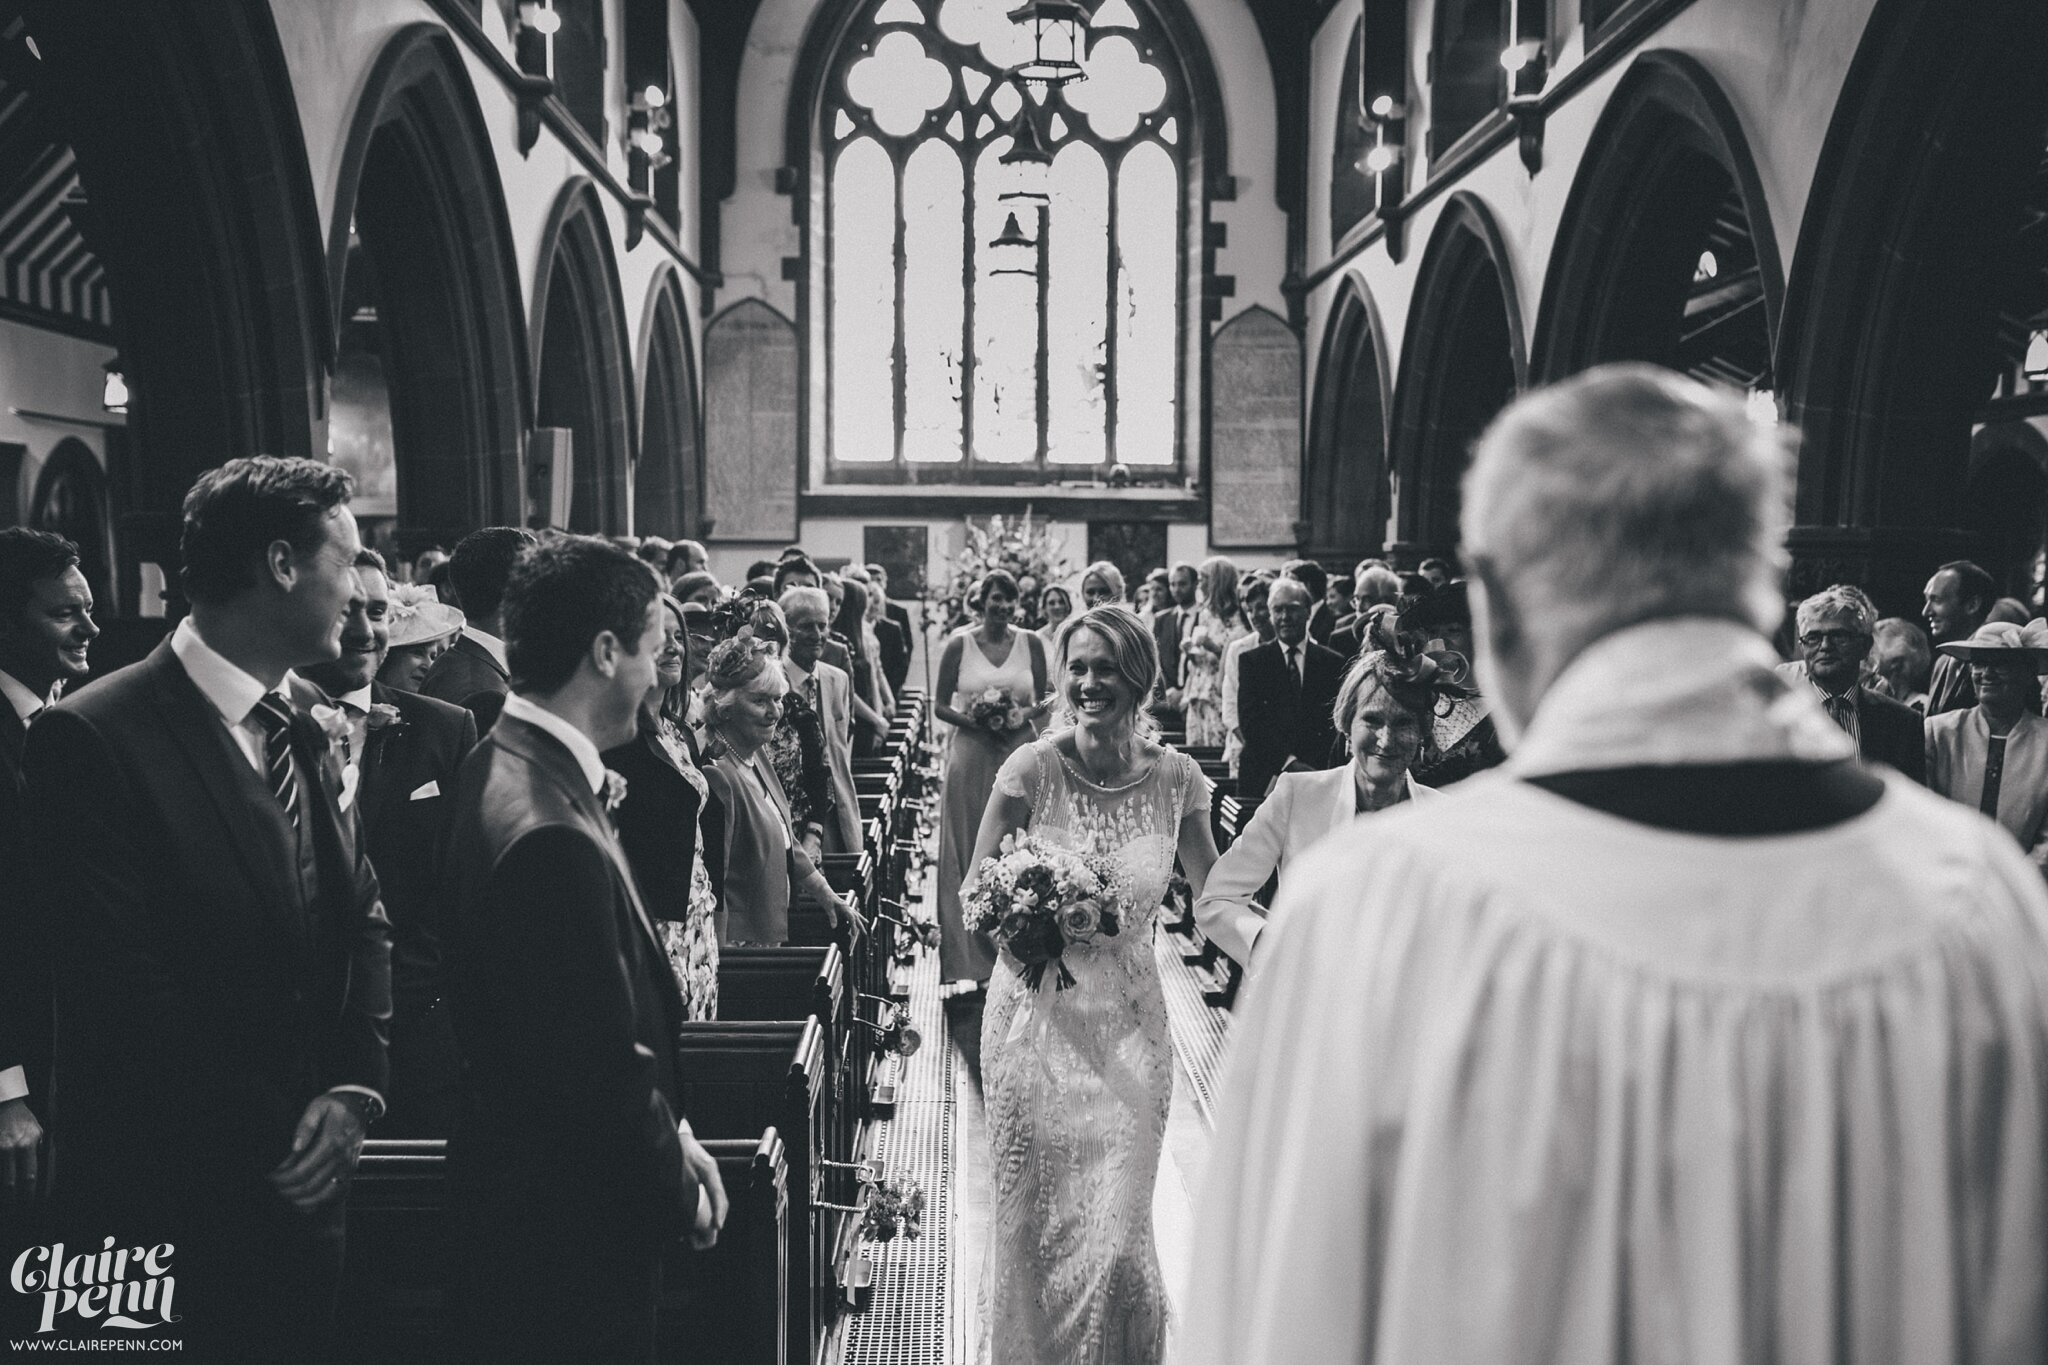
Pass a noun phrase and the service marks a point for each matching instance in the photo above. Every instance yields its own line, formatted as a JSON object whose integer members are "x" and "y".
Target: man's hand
{"x": 21, "y": 1153}
{"x": 711, "y": 1205}
{"x": 323, "y": 1157}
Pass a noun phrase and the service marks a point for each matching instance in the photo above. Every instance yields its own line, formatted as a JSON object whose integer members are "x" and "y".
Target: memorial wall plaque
{"x": 750, "y": 424}
{"x": 1255, "y": 433}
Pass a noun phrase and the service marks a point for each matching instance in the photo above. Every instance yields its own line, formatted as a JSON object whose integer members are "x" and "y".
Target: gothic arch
{"x": 1463, "y": 359}
{"x": 419, "y": 185}
{"x": 583, "y": 378}
{"x": 668, "y": 475}
{"x": 1666, "y": 251}
{"x": 1891, "y": 336}
{"x": 71, "y": 499}
{"x": 1346, "y": 491}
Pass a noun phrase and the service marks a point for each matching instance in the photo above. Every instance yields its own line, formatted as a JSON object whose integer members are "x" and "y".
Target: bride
{"x": 1077, "y": 1081}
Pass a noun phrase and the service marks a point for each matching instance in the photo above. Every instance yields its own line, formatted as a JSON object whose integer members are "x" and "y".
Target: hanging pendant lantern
{"x": 1012, "y": 235}
{"x": 1027, "y": 143}
{"x": 1059, "y": 38}
{"x": 1012, "y": 244}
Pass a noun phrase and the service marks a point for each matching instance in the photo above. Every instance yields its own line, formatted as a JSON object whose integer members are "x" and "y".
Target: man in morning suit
{"x": 46, "y": 631}
{"x": 474, "y": 673}
{"x": 1837, "y": 628}
{"x": 1286, "y": 691}
{"x": 222, "y": 962}
{"x": 570, "y": 1166}
{"x": 405, "y": 750}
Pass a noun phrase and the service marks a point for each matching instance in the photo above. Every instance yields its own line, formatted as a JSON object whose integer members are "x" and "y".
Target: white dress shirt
{"x": 574, "y": 740}
{"x": 232, "y": 693}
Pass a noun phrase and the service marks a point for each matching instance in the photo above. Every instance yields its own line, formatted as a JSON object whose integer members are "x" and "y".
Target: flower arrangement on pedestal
{"x": 1023, "y": 546}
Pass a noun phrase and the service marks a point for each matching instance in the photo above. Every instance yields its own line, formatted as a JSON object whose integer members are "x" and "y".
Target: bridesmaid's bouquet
{"x": 996, "y": 711}
{"x": 1038, "y": 900}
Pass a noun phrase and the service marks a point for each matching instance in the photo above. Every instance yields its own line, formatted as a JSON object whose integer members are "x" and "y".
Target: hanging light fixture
{"x": 647, "y": 117}
{"x": 2035, "y": 363}
{"x": 1059, "y": 38}
{"x": 1012, "y": 241}
{"x": 1027, "y": 142}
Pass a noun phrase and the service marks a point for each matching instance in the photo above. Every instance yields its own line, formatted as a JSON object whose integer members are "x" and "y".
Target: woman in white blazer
{"x": 1384, "y": 709}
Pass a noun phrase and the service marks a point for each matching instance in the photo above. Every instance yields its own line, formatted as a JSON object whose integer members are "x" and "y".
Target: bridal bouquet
{"x": 995, "y": 711}
{"x": 1038, "y": 900}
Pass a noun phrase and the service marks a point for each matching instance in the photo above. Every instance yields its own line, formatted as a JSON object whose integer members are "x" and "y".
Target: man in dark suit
{"x": 474, "y": 673}
{"x": 898, "y": 644}
{"x": 404, "y": 750}
{"x": 1323, "y": 617}
{"x": 46, "y": 631}
{"x": 1373, "y": 586}
{"x": 569, "y": 1168}
{"x": 1959, "y": 598}
{"x": 1170, "y": 625}
{"x": 222, "y": 962}
{"x": 1836, "y": 628}
{"x": 1286, "y": 691}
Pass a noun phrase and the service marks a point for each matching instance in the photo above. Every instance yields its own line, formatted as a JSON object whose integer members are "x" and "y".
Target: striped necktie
{"x": 276, "y": 719}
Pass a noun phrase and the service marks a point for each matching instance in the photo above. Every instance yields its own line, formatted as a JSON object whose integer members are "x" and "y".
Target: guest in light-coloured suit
{"x": 1994, "y": 755}
{"x": 829, "y": 691}
{"x": 1384, "y": 711}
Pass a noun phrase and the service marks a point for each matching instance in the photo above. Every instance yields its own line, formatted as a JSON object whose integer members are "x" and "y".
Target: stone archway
{"x": 1463, "y": 359}
{"x": 668, "y": 475}
{"x": 583, "y": 380}
{"x": 1346, "y": 491}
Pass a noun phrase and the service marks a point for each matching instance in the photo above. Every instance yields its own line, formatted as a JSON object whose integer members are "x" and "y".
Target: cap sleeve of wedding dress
{"x": 1019, "y": 776}
{"x": 1197, "y": 792}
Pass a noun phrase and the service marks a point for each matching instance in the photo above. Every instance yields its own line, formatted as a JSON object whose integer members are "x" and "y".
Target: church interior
{"x": 1172, "y": 279}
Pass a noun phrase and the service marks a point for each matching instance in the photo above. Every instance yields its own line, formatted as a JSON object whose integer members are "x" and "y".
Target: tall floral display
{"x": 1024, "y": 546}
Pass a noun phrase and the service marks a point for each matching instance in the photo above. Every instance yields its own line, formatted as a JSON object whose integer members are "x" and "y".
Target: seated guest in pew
{"x": 1993, "y": 756}
{"x": 473, "y": 672}
{"x": 660, "y": 822}
{"x": 221, "y": 955}
{"x": 1686, "y": 1036}
{"x": 570, "y": 1168}
{"x": 1285, "y": 692}
{"x": 421, "y": 628}
{"x": 765, "y": 863}
{"x": 404, "y": 751}
{"x": 1383, "y": 711}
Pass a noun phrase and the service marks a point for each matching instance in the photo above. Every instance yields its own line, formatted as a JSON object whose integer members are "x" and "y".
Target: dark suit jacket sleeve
{"x": 552, "y": 943}
{"x": 356, "y": 1050}
{"x": 25, "y": 986}
{"x": 657, "y": 827}
{"x": 88, "y": 834}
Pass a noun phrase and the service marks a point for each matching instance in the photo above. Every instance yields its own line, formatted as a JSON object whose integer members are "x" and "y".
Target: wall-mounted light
{"x": 647, "y": 118}
{"x": 1385, "y": 109}
{"x": 2035, "y": 365}
{"x": 533, "y": 46}
{"x": 114, "y": 393}
{"x": 540, "y": 16}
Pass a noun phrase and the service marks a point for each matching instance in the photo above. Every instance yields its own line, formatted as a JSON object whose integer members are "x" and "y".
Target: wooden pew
{"x": 393, "y": 1309}
{"x": 764, "y": 985}
{"x": 740, "y": 1077}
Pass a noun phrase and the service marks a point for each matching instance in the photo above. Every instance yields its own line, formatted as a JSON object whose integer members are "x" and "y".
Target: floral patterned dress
{"x": 692, "y": 944}
{"x": 1202, "y": 680}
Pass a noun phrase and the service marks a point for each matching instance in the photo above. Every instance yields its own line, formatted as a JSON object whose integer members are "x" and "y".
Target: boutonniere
{"x": 351, "y": 778}
{"x": 382, "y": 715}
{"x": 333, "y": 722}
{"x": 614, "y": 790}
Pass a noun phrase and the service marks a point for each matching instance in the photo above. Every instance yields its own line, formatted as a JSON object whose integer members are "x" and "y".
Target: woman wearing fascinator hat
{"x": 1994, "y": 755}
{"x": 422, "y": 626}
{"x": 1387, "y": 712}
{"x": 1466, "y": 740}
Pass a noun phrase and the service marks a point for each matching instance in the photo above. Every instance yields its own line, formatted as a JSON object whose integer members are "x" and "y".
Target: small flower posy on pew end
{"x": 896, "y": 1206}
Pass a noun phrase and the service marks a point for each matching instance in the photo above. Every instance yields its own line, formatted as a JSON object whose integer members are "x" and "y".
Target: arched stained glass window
{"x": 1005, "y": 264}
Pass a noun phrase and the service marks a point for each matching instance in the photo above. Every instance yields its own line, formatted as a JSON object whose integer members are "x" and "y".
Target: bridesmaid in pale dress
{"x": 990, "y": 655}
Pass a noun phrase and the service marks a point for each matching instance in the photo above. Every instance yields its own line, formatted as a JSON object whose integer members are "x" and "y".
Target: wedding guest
{"x": 661, "y": 821}
{"x": 994, "y": 683}
{"x": 222, "y": 961}
{"x": 46, "y": 635}
{"x": 1155, "y": 595}
{"x": 686, "y": 557}
{"x": 1467, "y": 740}
{"x": 1383, "y": 710}
{"x": 654, "y": 552}
{"x": 474, "y": 672}
{"x": 897, "y": 647}
{"x": 1994, "y": 755}
{"x": 1958, "y": 599}
{"x": 1836, "y": 629}
{"x": 889, "y": 643}
{"x": 1258, "y": 623}
{"x": 696, "y": 587}
{"x": 1325, "y": 618}
{"x": 796, "y": 571}
{"x": 765, "y": 864}
{"x": 1285, "y": 694}
{"x": 1102, "y": 582}
{"x": 421, "y": 628}
{"x": 1374, "y": 585}
{"x": 1689, "y": 1037}
{"x": 2009, "y": 609}
{"x": 571, "y": 1165}
{"x": 1169, "y": 627}
{"x": 871, "y": 700}
{"x": 1208, "y": 632}
{"x": 1899, "y": 651}
{"x": 1437, "y": 571}
{"x": 426, "y": 561}
{"x": 827, "y": 693}
{"x": 406, "y": 750}
{"x": 1055, "y": 604}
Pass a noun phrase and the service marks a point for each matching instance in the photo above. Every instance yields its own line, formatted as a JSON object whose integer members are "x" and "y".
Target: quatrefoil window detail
{"x": 900, "y": 82}
{"x": 1121, "y": 88}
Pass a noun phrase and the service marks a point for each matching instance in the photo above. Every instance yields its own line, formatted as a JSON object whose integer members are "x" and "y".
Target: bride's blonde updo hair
{"x": 1134, "y": 652}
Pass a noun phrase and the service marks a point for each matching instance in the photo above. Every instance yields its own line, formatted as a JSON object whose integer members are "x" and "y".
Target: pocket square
{"x": 425, "y": 790}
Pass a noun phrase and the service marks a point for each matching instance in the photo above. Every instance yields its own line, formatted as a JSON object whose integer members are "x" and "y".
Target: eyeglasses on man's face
{"x": 1829, "y": 639}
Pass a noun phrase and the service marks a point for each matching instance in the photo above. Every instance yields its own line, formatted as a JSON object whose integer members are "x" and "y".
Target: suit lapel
{"x": 256, "y": 826}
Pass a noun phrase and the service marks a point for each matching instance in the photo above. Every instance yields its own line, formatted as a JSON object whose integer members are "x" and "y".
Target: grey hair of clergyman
{"x": 1630, "y": 493}
{"x": 1841, "y": 602}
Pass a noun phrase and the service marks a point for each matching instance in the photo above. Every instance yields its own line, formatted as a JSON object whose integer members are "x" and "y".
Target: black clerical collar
{"x": 1734, "y": 799}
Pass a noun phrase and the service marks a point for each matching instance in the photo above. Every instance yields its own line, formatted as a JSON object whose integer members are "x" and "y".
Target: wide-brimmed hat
{"x": 419, "y": 616}
{"x": 1995, "y": 642}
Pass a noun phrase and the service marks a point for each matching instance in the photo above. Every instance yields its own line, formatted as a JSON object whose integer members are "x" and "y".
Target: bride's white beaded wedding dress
{"x": 1077, "y": 1084}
